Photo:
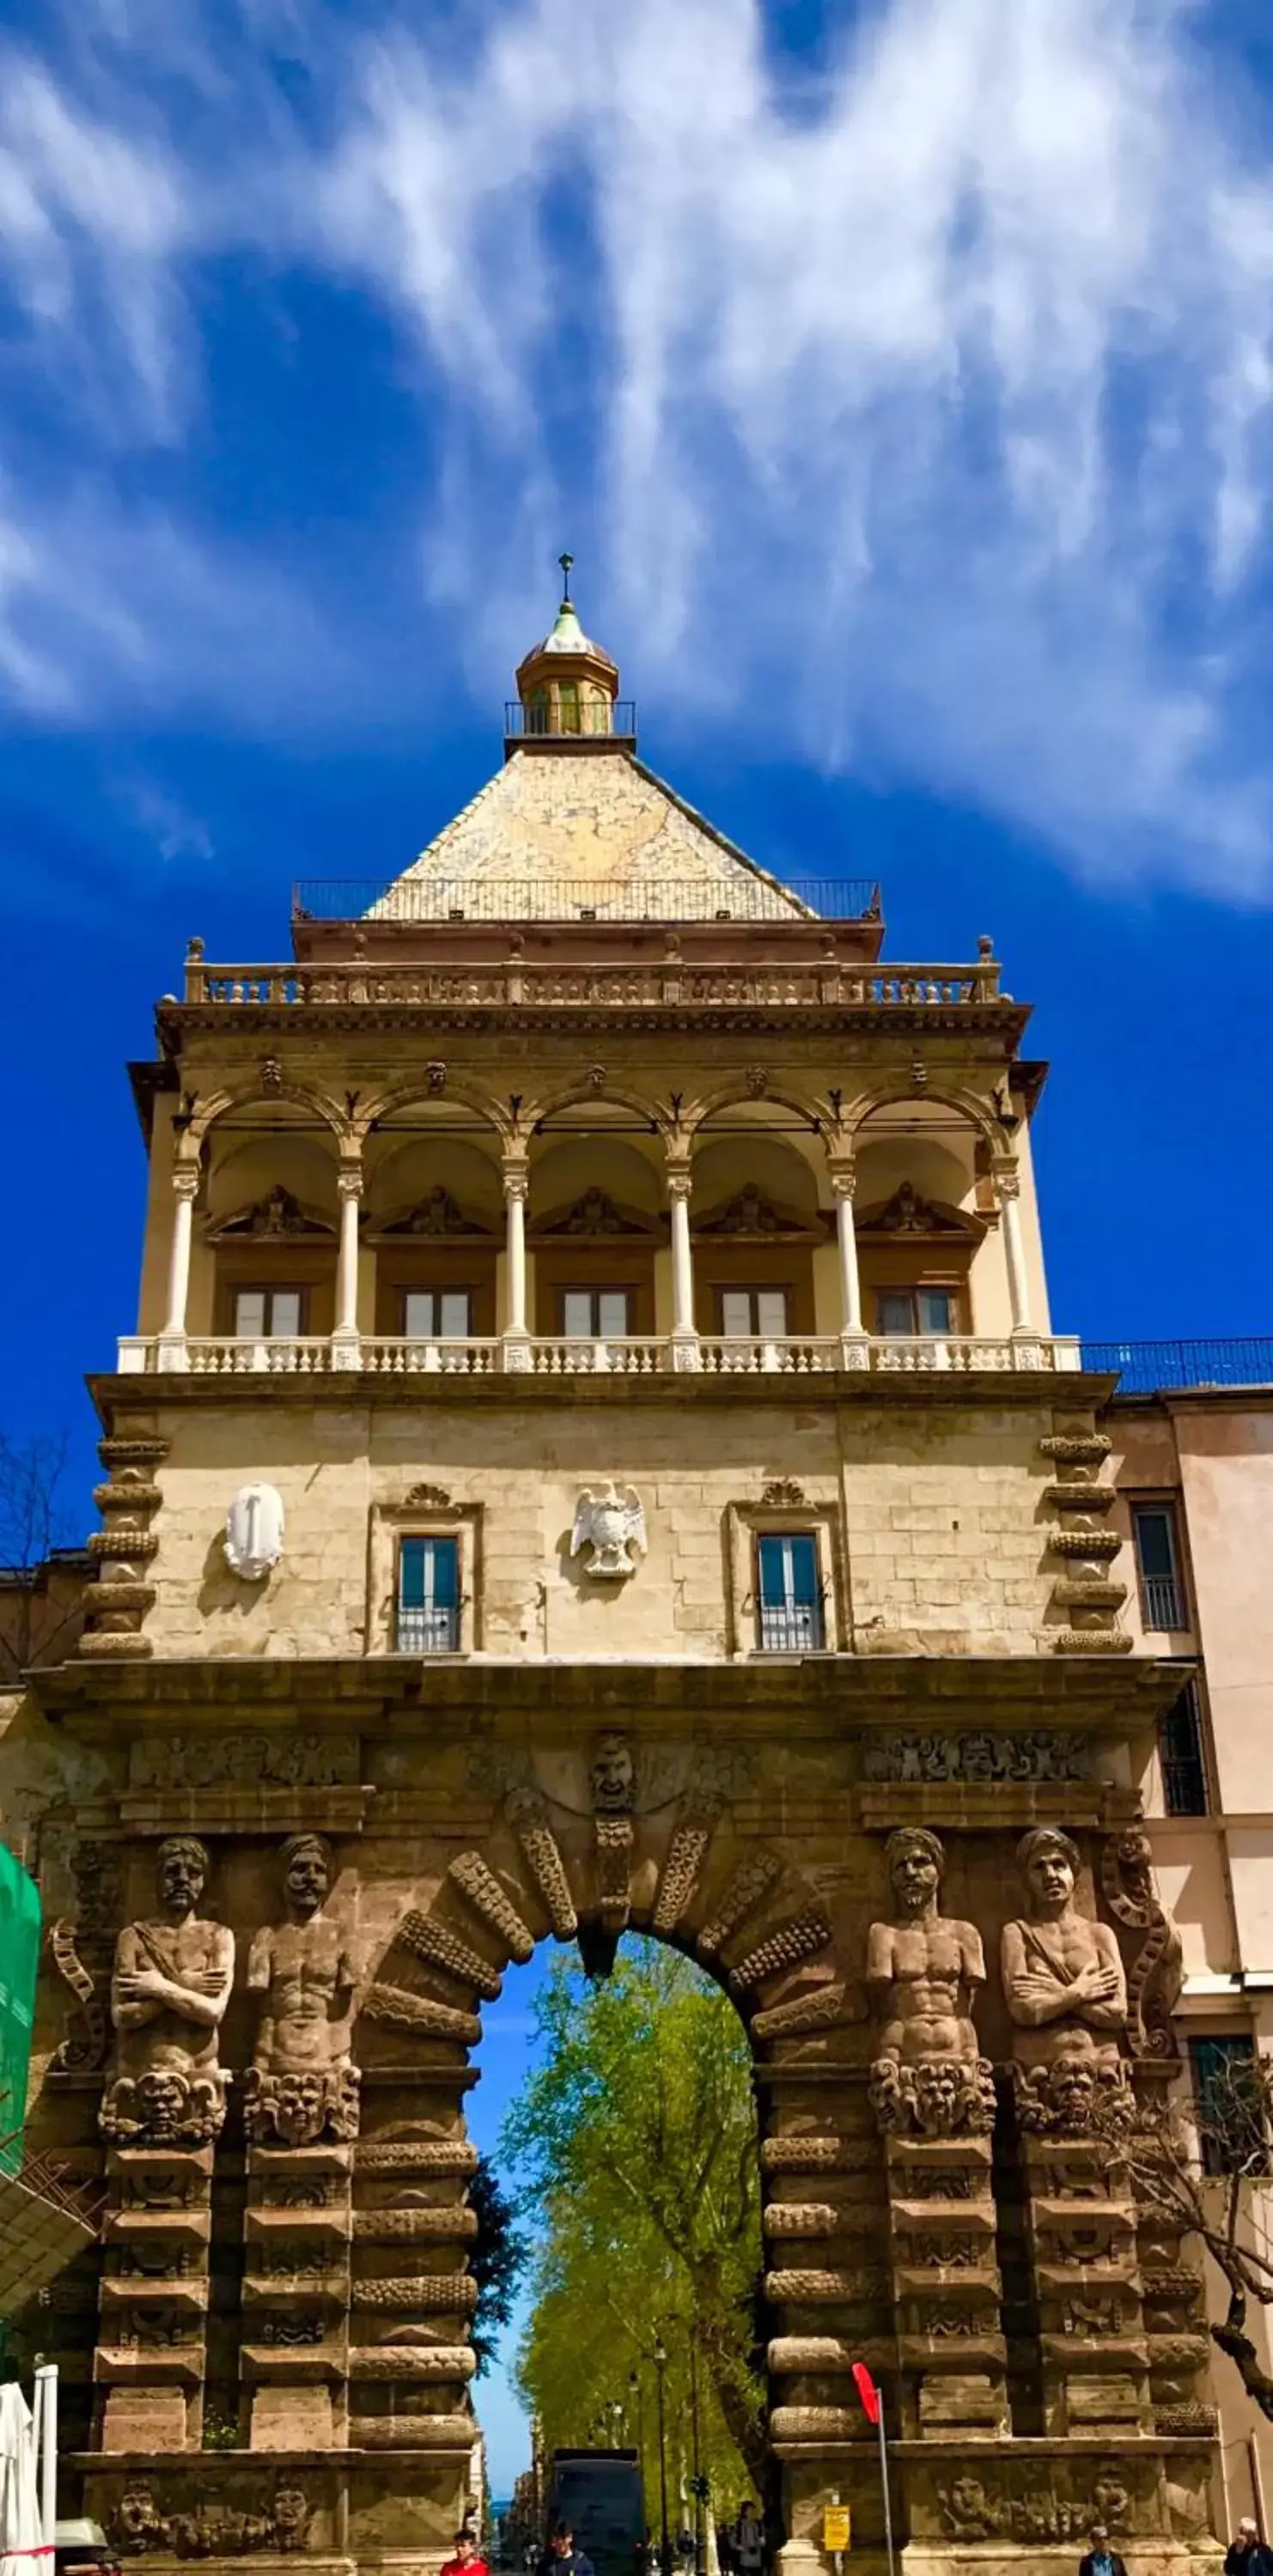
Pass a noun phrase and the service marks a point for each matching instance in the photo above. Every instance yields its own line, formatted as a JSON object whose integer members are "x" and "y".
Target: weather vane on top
{"x": 567, "y": 566}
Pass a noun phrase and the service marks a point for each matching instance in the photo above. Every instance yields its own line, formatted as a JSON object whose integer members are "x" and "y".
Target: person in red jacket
{"x": 467, "y": 2560}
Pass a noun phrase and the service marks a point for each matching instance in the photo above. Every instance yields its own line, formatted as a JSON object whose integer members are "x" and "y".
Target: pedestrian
{"x": 561, "y": 2558}
{"x": 467, "y": 2559}
{"x": 1101, "y": 2560}
{"x": 749, "y": 2540}
{"x": 1247, "y": 2554}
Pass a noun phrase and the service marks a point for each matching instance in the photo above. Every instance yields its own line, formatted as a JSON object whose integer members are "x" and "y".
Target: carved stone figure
{"x": 169, "y": 1992}
{"x": 254, "y": 1532}
{"x": 139, "y": 2528}
{"x": 1065, "y": 1990}
{"x": 613, "y": 1776}
{"x": 1153, "y": 1987}
{"x": 609, "y": 1525}
{"x": 923, "y": 1970}
{"x": 301, "y": 2085}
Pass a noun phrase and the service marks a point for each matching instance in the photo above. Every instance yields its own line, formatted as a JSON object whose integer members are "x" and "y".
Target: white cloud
{"x": 922, "y": 418}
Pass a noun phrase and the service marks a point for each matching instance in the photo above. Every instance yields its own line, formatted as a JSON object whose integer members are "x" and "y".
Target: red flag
{"x": 867, "y": 2391}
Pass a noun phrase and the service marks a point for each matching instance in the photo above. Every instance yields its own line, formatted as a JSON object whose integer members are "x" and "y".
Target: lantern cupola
{"x": 568, "y": 687}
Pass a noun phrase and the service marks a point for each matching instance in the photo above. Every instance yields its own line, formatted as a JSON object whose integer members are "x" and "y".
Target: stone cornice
{"x": 1068, "y": 1391}
{"x": 1003, "y": 1020}
{"x": 811, "y": 1695}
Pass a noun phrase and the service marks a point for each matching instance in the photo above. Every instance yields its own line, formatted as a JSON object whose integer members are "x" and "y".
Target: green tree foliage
{"x": 635, "y": 2141}
{"x": 497, "y": 2259}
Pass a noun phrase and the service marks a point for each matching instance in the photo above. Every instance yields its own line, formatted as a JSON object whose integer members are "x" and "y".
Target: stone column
{"x": 685, "y": 1351}
{"x": 853, "y": 1341}
{"x": 346, "y": 1347}
{"x": 172, "y": 1340}
{"x": 516, "y": 1353}
{"x": 1007, "y": 1184}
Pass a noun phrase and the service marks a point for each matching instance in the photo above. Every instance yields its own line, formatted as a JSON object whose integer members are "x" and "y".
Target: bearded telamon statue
{"x": 923, "y": 1972}
{"x": 302, "y": 2084}
{"x": 169, "y": 1992}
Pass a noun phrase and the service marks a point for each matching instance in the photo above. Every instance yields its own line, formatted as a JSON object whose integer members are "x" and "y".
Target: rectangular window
{"x": 595, "y": 1314}
{"x": 788, "y": 1593}
{"x": 1228, "y": 2092}
{"x": 1162, "y": 1602}
{"x": 436, "y": 1314}
{"x": 753, "y": 1313}
{"x": 912, "y": 1311}
{"x": 267, "y": 1314}
{"x": 1181, "y": 1755}
{"x": 429, "y": 1596}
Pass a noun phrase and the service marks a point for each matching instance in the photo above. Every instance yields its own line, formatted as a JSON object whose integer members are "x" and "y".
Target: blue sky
{"x": 900, "y": 378}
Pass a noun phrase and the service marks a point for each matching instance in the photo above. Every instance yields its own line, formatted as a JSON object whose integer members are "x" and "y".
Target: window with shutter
{"x": 788, "y": 1592}
{"x": 428, "y": 1596}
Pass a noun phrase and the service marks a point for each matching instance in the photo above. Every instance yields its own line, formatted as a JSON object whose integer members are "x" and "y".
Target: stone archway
{"x": 917, "y": 2205}
{"x": 618, "y": 1837}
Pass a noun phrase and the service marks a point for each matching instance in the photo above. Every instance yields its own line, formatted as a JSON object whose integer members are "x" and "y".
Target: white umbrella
{"x": 23, "y": 2548}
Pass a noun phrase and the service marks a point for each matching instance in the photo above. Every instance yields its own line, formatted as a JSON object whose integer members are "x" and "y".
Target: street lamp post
{"x": 636, "y": 2409}
{"x": 700, "y": 2515}
{"x": 665, "y": 2545}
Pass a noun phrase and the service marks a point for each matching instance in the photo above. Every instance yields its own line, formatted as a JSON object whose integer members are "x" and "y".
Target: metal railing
{"x": 1161, "y": 1605}
{"x": 587, "y": 719}
{"x": 1182, "y": 1756}
{"x": 428, "y": 1631}
{"x": 1146, "y": 1368}
{"x": 520, "y": 899}
{"x": 790, "y": 1627}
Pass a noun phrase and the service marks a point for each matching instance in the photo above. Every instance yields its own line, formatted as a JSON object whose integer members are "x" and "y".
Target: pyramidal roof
{"x": 575, "y": 824}
{"x": 567, "y": 831}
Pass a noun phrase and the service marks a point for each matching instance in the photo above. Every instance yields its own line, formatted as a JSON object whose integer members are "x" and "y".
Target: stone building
{"x": 594, "y": 1453}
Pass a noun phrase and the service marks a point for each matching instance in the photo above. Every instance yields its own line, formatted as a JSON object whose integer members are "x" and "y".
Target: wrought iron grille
{"x": 1182, "y": 1756}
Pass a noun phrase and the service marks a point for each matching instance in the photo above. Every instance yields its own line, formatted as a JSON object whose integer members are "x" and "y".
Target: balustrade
{"x": 527, "y": 983}
{"x": 796, "y": 1355}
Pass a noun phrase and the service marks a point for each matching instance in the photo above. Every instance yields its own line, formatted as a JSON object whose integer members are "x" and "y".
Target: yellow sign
{"x": 835, "y": 2527}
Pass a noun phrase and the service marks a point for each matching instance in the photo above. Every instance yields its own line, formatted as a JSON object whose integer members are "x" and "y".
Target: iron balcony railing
{"x": 790, "y": 1627}
{"x": 521, "y": 899}
{"x": 600, "y": 718}
{"x": 1160, "y": 1602}
{"x": 1145, "y": 1368}
{"x": 428, "y": 1631}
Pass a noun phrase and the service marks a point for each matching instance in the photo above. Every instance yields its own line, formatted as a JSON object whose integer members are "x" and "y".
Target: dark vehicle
{"x": 598, "y": 2495}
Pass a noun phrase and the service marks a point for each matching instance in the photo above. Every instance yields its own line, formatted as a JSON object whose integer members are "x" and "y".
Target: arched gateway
{"x": 537, "y": 1507}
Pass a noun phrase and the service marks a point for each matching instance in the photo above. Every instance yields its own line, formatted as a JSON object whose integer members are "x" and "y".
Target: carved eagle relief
{"x": 609, "y": 1525}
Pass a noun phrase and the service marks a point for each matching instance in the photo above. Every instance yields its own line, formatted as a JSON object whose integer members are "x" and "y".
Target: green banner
{"x": 19, "y": 1961}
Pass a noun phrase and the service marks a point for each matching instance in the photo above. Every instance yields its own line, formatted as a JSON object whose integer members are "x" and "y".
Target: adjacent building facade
{"x": 594, "y": 1453}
